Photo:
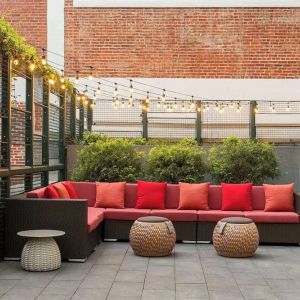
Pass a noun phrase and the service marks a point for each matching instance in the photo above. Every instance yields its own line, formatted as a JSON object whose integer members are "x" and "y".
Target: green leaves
{"x": 175, "y": 163}
{"x": 240, "y": 161}
{"x": 108, "y": 160}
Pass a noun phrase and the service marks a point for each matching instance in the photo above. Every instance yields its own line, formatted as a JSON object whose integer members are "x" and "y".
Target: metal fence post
{"x": 81, "y": 118}
{"x": 145, "y": 108}
{"x": 89, "y": 115}
{"x": 198, "y": 122}
{"x": 45, "y": 131}
{"x": 73, "y": 115}
{"x": 252, "y": 125}
{"x": 62, "y": 128}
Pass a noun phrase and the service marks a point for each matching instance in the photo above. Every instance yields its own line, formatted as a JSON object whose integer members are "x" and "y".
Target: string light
{"x": 217, "y": 106}
{"x": 15, "y": 61}
{"x": 92, "y": 106}
{"x": 147, "y": 98}
{"x": 44, "y": 61}
{"x": 231, "y": 104}
{"x": 203, "y": 107}
{"x": 221, "y": 108}
{"x": 131, "y": 99}
{"x": 78, "y": 97}
{"x": 95, "y": 96}
{"x": 123, "y": 104}
{"x": 163, "y": 97}
{"x": 131, "y": 86}
{"x": 273, "y": 107}
{"x": 98, "y": 88}
{"x": 63, "y": 87}
{"x": 62, "y": 78}
{"x": 288, "y": 107}
{"x": 270, "y": 106}
{"x": 256, "y": 110}
{"x": 158, "y": 103}
{"x": 51, "y": 80}
{"x": 116, "y": 89}
{"x": 86, "y": 102}
{"x": 77, "y": 77}
{"x": 91, "y": 73}
{"x": 31, "y": 66}
{"x": 238, "y": 108}
{"x": 182, "y": 106}
{"x": 86, "y": 90}
{"x": 175, "y": 103}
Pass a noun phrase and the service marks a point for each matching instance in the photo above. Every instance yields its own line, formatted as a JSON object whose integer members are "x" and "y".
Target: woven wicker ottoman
{"x": 236, "y": 237}
{"x": 152, "y": 236}
{"x": 40, "y": 253}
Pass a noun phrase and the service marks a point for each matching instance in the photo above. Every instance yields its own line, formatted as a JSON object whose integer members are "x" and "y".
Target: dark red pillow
{"x": 70, "y": 188}
{"x": 51, "y": 192}
{"x": 237, "y": 196}
{"x": 151, "y": 195}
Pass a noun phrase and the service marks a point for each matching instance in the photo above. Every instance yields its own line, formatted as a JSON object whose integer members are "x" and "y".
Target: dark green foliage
{"x": 241, "y": 161}
{"x": 112, "y": 160}
{"x": 175, "y": 163}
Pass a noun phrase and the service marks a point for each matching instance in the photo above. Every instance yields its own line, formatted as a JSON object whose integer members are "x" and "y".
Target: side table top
{"x": 40, "y": 233}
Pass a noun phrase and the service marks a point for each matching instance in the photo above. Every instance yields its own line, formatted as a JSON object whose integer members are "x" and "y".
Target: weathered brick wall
{"x": 190, "y": 43}
{"x": 29, "y": 18}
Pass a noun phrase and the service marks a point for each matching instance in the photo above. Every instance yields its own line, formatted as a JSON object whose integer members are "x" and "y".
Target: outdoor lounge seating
{"x": 86, "y": 225}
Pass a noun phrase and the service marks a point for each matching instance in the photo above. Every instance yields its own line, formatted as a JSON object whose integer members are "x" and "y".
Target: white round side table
{"x": 40, "y": 253}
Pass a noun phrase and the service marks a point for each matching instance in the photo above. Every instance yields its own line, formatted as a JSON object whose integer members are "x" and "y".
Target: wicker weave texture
{"x": 40, "y": 254}
{"x": 236, "y": 240}
{"x": 152, "y": 239}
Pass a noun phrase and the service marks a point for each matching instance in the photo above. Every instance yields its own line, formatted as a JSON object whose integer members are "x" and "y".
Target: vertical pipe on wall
{"x": 198, "y": 121}
{"x": 145, "y": 107}
{"x": 252, "y": 120}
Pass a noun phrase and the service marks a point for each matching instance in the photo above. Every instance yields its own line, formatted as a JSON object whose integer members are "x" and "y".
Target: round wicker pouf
{"x": 236, "y": 237}
{"x": 152, "y": 236}
{"x": 40, "y": 253}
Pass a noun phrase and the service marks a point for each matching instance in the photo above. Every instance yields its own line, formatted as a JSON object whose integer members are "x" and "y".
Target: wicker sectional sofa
{"x": 86, "y": 225}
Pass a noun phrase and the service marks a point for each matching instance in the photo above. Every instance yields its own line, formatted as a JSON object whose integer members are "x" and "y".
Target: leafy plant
{"x": 176, "y": 163}
{"x": 92, "y": 137}
{"x": 111, "y": 160}
{"x": 241, "y": 161}
{"x": 188, "y": 142}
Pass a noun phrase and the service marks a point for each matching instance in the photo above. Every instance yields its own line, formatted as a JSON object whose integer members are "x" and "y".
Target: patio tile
{"x": 126, "y": 289}
{"x": 160, "y": 271}
{"x": 159, "y": 283}
{"x": 110, "y": 259}
{"x": 158, "y": 294}
{"x": 162, "y": 261}
{"x": 135, "y": 263}
{"x": 191, "y": 291}
{"x": 22, "y": 293}
{"x": 249, "y": 278}
{"x": 216, "y": 282}
{"x": 131, "y": 276}
{"x": 90, "y": 294}
{"x": 257, "y": 292}
{"x": 226, "y": 295}
{"x": 6, "y": 284}
{"x": 96, "y": 282}
{"x": 284, "y": 285}
{"x": 186, "y": 275}
{"x": 53, "y": 297}
{"x": 64, "y": 287}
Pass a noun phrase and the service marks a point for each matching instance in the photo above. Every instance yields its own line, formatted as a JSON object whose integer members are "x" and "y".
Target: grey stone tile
{"x": 90, "y": 294}
{"x": 185, "y": 275}
{"x": 134, "y": 263}
{"x": 286, "y": 295}
{"x": 226, "y": 295}
{"x": 13, "y": 272}
{"x": 216, "y": 282}
{"x": 110, "y": 259}
{"x": 53, "y": 297}
{"x": 22, "y": 293}
{"x": 99, "y": 269}
{"x": 159, "y": 283}
{"x": 158, "y": 294}
{"x": 249, "y": 279}
{"x": 131, "y": 276}
{"x": 257, "y": 292}
{"x": 6, "y": 284}
{"x": 126, "y": 289}
{"x": 111, "y": 297}
{"x": 191, "y": 291}
{"x": 64, "y": 287}
{"x": 96, "y": 282}
{"x": 160, "y": 271}
{"x": 284, "y": 285}
{"x": 244, "y": 266}
{"x": 162, "y": 261}
{"x": 216, "y": 270}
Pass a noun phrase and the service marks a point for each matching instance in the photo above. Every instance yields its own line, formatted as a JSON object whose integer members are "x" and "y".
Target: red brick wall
{"x": 197, "y": 43}
{"x": 29, "y": 18}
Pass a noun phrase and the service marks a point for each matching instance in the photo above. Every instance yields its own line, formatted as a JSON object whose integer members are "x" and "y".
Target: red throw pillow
{"x": 237, "y": 196}
{"x": 61, "y": 190}
{"x": 71, "y": 190}
{"x": 151, "y": 195}
{"x": 110, "y": 194}
{"x": 51, "y": 193}
{"x": 279, "y": 197}
{"x": 193, "y": 196}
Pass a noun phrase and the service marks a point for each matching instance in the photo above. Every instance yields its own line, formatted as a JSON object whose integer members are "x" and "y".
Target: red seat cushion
{"x": 95, "y": 217}
{"x": 261, "y": 216}
{"x": 130, "y": 214}
{"x": 237, "y": 196}
{"x": 176, "y": 215}
{"x": 151, "y": 195}
{"x": 71, "y": 190}
{"x": 51, "y": 192}
{"x": 216, "y": 215}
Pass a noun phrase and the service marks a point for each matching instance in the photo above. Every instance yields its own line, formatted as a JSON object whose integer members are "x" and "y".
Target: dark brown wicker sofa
{"x": 86, "y": 225}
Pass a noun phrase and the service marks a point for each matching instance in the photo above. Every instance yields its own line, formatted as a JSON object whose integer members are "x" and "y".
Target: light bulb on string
{"x": 130, "y": 98}
{"x": 217, "y": 106}
{"x": 270, "y": 106}
{"x": 231, "y": 104}
{"x": 182, "y": 106}
{"x": 15, "y": 61}
{"x": 256, "y": 110}
{"x": 273, "y": 107}
{"x": 147, "y": 98}
{"x": 207, "y": 106}
{"x": 175, "y": 103}
{"x": 51, "y": 80}
{"x": 92, "y": 105}
{"x": 86, "y": 102}
{"x": 238, "y": 108}
{"x": 221, "y": 109}
{"x": 63, "y": 87}
{"x": 192, "y": 103}
{"x": 86, "y": 90}
{"x": 77, "y": 77}
{"x": 78, "y": 97}
{"x": 288, "y": 106}
{"x": 31, "y": 66}
{"x": 91, "y": 73}
{"x": 98, "y": 88}
{"x": 163, "y": 97}
{"x": 44, "y": 61}
{"x": 62, "y": 78}
{"x": 203, "y": 107}
{"x": 140, "y": 104}
{"x": 95, "y": 96}
{"x": 117, "y": 101}
{"x": 122, "y": 103}
{"x": 116, "y": 89}
{"x": 158, "y": 104}
{"x": 131, "y": 86}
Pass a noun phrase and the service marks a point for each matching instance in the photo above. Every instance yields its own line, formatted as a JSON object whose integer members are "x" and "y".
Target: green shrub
{"x": 188, "y": 142}
{"x": 175, "y": 163}
{"x": 92, "y": 137}
{"x": 111, "y": 160}
{"x": 241, "y": 161}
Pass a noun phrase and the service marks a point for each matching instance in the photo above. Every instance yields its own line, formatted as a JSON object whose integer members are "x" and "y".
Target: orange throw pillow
{"x": 110, "y": 194}
{"x": 193, "y": 196}
{"x": 61, "y": 190}
{"x": 279, "y": 197}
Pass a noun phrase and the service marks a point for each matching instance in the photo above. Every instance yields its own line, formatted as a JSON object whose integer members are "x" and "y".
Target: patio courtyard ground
{"x": 194, "y": 271}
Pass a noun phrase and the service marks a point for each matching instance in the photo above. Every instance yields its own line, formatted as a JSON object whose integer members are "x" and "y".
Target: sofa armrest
{"x": 69, "y": 216}
{"x": 297, "y": 203}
